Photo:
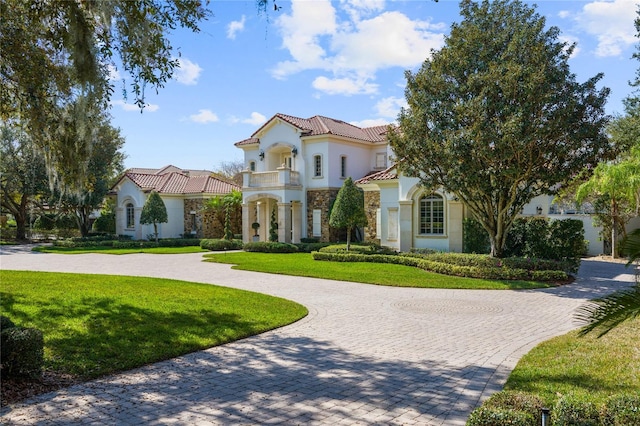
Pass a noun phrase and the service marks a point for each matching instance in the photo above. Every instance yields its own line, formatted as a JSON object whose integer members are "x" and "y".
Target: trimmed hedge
{"x": 441, "y": 267}
{"x": 367, "y": 248}
{"x": 485, "y": 261}
{"x": 621, "y": 410}
{"x": 573, "y": 410}
{"x": 311, "y": 247}
{"x": 490, "y": 416}
{"x": 22, "y": 352}
{"x": 270, "y": 247}
{"x": 221, "y": 244}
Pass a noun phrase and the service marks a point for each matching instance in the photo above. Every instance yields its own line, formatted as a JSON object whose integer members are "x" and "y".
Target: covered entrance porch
{"x": 260, "y": 212}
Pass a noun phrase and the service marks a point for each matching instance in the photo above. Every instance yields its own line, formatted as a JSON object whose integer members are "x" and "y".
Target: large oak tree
{"x": 496, "y": 117}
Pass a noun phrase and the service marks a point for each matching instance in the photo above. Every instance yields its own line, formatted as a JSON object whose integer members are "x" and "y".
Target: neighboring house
{"x": 296, "y": 166}
{"x": 183, "y": 192}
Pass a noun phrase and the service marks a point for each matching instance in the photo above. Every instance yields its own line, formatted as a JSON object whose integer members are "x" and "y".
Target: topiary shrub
{"x": 574, "y": 410}
{"x": 518, "y": 401}
{"x": 270, "y": 247}
{"x": 22, "y": 352}
{"x": 221, "y": 244}
{"x": 621, "y": 410}
{"x": 491, "y": 416}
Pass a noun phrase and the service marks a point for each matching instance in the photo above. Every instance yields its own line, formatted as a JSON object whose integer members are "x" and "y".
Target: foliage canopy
{"x": 497, "y": 118}
{"x": 153, "y": 212}
{"x": 348, "y": 209}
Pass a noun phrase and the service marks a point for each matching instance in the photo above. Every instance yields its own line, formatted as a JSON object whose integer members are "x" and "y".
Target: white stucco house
{"x": 183, "y": 192}
{"x": 296, "y": 166}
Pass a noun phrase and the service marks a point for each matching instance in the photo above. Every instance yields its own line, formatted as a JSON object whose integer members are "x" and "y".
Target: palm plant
{"x": 608, "y": 312}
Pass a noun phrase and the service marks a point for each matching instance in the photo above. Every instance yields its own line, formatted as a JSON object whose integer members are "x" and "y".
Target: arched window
{"x": 131, "y": 221}
{"x": 431, "y": 214}
{"x": 252, "y": 166}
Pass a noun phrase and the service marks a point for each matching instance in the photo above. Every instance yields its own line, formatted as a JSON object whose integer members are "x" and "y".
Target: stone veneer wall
{"x": 321, "y": 199}
{"x": 371, "y": 206}
{"x": 207, "y": 224}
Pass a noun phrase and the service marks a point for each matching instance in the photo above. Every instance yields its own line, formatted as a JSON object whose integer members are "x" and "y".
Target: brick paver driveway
{"x": 364, "y": 355}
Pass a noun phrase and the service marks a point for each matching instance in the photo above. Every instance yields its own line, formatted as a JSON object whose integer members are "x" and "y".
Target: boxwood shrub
{"x": 491, "y": 416}
{"x": 22, "y": 352}
{"x": 519, "y": 401}
{"x": 221, "y": 244}
{"x": 572, "y": 409}
{"x": 442, "y": 266}
{"x": 270, "y": 247}
{"x": 621, "y": 410}
{"x": 311, "y": 247}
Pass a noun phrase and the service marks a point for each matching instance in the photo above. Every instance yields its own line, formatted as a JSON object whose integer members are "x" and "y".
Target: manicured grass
{"x": 110, "y": 250}
{"x": 302, "y": 264}
{"x": 99, "y": 324}
{"x": 588, "y": 366}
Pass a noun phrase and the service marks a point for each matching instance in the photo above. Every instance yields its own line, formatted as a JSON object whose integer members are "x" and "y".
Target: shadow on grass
{"x": 100, "y": 335}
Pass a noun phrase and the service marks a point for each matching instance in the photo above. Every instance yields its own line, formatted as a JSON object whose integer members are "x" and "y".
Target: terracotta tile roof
{"x": 179, "y": 182}
{"x": 319, "y": 125}
{"x": 388, "y": 174}
{"x": 168, "y": 169}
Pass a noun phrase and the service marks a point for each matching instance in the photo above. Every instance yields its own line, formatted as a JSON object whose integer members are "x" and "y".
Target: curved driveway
{"x": 364, "y": 355}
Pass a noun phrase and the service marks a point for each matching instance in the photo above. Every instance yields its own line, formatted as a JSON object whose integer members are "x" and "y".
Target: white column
{"x": 284, "y": 222}
{"x": 296, "y": 212}
{"x": 247, "y": 232}
{"x": 406, "y": 225}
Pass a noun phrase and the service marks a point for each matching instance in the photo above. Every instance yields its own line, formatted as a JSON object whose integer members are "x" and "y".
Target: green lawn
{"x": 110, "y": 250}
{"x": 99, "y": 324}
{"x": 302, "y": 264}
{"x": 588, "y": 366}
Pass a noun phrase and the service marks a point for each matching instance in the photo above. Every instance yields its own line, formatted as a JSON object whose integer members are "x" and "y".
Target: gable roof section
{"x": 319, "y": 125}
{"x": 171, "y": 180}
{"x": 388, "y": 174}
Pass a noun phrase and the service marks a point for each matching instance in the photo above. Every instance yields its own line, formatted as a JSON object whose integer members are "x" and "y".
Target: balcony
{"x": 282, "y": 177}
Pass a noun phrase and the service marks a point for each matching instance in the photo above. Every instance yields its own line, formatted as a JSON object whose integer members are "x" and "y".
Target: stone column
{"x": 284, "y": 222}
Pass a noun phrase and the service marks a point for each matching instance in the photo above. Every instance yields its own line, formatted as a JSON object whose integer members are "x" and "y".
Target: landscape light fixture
{"x": 545, "y": 415}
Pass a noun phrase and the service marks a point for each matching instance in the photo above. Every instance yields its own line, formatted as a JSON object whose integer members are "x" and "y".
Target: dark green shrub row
{"x": 270, "y": 247}
{"x": 179, "y": 242}
{"x": 21, "y": 350}
{"x": 366, "y": 248}
{"x": 96, "y": 237}
{"x": 134, "y": 244}
{"x": 310, "y": 247}
{"x": 445, "y": 268}
{"x": 484, "y": 261}
{"x": 536, "y": 237}
{"x": 309, "y": 240}
{"x": 520, "y": 408}
{"x": 221, "y": 244}
{"x": 69, "y": 242}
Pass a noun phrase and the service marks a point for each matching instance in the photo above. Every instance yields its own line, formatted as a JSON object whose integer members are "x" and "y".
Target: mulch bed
{"x": 14, "y": 390}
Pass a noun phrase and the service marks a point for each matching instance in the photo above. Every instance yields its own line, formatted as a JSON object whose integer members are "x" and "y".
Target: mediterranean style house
{"x": 296, "y": 166}
{"x": 183, "y": 192}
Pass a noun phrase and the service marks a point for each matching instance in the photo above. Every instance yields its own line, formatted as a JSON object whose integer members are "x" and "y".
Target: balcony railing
{"x": 280, "y": 177}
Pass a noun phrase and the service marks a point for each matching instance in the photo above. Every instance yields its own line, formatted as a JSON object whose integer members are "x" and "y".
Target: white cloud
{"x": 390, "y": 107}
{"x": 235, "y": 27}
{"x": 349, "y": 47}
{"x": 187, "y": 72}
{"x": 133, "y": 107}
{"x": 371, "y": 122}
{"x": 255, "y": 119}
{"x": 204, "y": 116}
{"x": 344, "y": 86}
{"x": 611, "y": 22}
{"x": 564, "y": 14}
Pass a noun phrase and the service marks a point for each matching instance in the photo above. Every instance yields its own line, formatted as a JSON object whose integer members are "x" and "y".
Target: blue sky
{"x": 342, "y": 59}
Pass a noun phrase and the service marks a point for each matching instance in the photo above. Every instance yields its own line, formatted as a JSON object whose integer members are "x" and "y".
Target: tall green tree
{"x": 348, "y": 210}
{"x": 606, "y": 313}
{"x": 496, "y": 117}
{"x": 154, "y": 212}
{"x": 227, "y": 211}
{"x": 23, "y": 178}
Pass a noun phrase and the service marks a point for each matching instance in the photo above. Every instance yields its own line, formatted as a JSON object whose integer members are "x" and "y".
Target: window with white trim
{"x": 431, "y": 215}
{"x": 317, "y": 165}
{"x": 252, "y": 166}
{"x": 343, "y": 166}
{"x": 316, "y": 227}
{"x": 392, "y": 230}
{"x": 381, "y": 160}
{"x": 131, "y": 215}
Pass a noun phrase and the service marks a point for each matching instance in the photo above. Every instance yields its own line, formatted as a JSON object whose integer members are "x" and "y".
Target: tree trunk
{"x": 348, "y": 238}
{"x": 614, "y": 231}
{"x": 497, "y": 244}
{"x": 155, "y": 230}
